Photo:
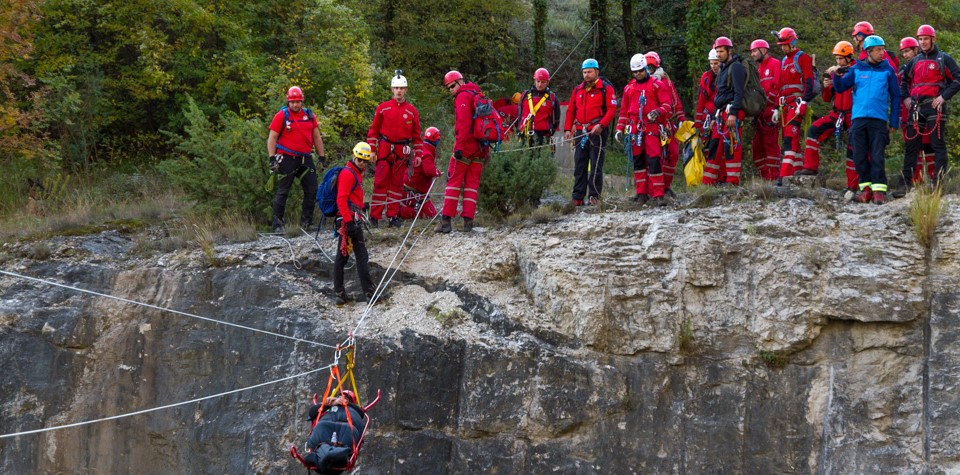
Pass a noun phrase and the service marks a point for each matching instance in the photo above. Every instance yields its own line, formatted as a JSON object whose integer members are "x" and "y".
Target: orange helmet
{"x": 843, "y": 48}
{"x": 786, "y": 36}
{"x": 862, "y": 28}
{"x": 294, "y": 94}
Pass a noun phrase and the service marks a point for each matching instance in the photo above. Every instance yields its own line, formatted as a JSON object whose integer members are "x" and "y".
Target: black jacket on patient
{"x": 326, "y": 455}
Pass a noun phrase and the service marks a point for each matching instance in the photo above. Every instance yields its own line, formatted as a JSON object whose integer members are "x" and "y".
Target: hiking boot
{"x": 342, "y": 299}
{"x": 396, "y": 222}
{"x": 879, "y": 198}
{"x": 865, "y": 196}
{"x": 657, "y": 201}
{"x": 576, "y": 203}
{"x": 374, "y": 222}
{"x": 444, "y": 227}
{"x": 593, "y": 201}
{"x": 779, "y": 182}
{"x": 900, "y": 191}
{"x": 467, "y": 225}
{"x": 670, "y": 193}
{"x": 807, "y": 172}
{"x": 641, "y": 199}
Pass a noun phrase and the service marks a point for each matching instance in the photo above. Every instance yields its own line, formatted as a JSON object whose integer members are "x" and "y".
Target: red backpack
{"x": 487, "y": 123}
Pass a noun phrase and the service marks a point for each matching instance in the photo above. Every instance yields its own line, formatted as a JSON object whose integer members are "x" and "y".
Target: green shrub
{"x": 510, "y": 182}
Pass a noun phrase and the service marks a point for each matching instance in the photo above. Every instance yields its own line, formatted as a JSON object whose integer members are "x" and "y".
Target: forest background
{"x": 127, "y": 110}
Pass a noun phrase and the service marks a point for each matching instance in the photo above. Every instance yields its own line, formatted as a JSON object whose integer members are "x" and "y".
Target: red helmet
{"x": 909, "y": 42}
{"x": 653, "y": 59}
{"x": 294, "y": 94}
{"x": 451, "y": 76}
{"x": 759, "y": 44}
{"x": 722, "y": 41}
{"x": 926, "y": 30}
{"x": 349, "y": 396}
{"x": 786, "y": 36}
{"x": 862, "y": 28}
{"x": 541, "y": 75}
{"x": 432, "y": 134}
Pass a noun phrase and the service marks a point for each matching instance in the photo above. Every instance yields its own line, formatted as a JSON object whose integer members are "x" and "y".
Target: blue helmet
{"x": 871, "y": 41}
{"x": 590, "y": 63}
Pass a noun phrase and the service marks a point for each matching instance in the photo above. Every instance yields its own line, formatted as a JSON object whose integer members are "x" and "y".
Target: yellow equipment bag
{"x": 693, "y": 170}
{"x": 685, "y": 131}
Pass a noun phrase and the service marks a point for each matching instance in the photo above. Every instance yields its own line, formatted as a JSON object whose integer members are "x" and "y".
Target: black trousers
{"x": 363, "y": 262}
{"x": 869, "y": 138}
{"x": 588, "y": 166}
{"x": 927, "y": 120}
{"x": 293, "y": 168}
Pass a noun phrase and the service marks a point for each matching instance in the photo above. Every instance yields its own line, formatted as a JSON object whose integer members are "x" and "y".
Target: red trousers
{"x": 648, "y": 176}
{"x": 410, "y": 205}
{"x": 792, "y": 135}
{"x": 766, "y": 146}
{"x": 466, "y": 175}
{"x": 670, "y": 164}
{"x": 388, "y": 187}
{"x": 724, "y": 154}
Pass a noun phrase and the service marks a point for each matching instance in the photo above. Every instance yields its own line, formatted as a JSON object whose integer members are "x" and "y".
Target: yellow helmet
{"x": 361, "y": 151}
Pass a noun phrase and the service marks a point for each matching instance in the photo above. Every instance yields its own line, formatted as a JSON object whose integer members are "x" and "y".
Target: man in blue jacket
{"x": 876, "y": 108}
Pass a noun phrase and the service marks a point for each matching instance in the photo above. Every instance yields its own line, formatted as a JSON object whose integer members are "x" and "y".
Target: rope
{"x": 168, "y": 406}
{"x": 134, "y": 302}
{"x": 575, "y": 47}
{"x": 293, "y": 255}
{"x": 916, "y": 124}
{"x": 526, "y": 149}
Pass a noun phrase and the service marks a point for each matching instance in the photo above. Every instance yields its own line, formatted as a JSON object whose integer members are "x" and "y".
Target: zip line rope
{"x": 168, "y": 406}
{"x": 162, "y": 309}
{"x": 575, "y": 47}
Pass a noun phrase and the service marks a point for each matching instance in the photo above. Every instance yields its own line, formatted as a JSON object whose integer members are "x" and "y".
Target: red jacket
{"x": 587, "y": 106}
{"x": 296, "y": 136}
{"x": 547, "y": 116}
{"x": 468, "y": 146}
{"x": 397, "y": 124}
{"x": 931, "y": 74}
{"x": 650, "y": 95}
{"x": 769, "y": 70}
{"x": 349, "y": 191}
{"x": 418, "y": 178}
{"x": 708, "y": 90}
{"x": 678, "y": 114}
{"x": 794, "y": 78}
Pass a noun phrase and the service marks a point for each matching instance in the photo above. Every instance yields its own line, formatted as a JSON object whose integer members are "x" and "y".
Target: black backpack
{"x": 754, "y": 99}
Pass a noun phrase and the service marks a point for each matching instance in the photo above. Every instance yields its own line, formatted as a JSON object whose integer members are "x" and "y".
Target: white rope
{"x": 526, "y": 149}
{"x": 134, "y": 302}
{"x": 575, "y": 47}
{"x": 293, "y": 255}
{"x": 168, "y": 406}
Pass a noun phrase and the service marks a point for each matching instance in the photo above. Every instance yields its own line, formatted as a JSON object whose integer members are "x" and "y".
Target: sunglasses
{"x": 451, "y": 86}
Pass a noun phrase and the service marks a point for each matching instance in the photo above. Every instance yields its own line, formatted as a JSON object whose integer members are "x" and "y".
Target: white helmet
{"x": 712, "y": 55}
{"x": 398, "y": 80}
{"x": 638, "y": 62}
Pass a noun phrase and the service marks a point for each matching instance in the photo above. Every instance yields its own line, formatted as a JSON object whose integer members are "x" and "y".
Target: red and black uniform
{"x": 640, "y": 98}
{"x": 508, "y": 115}
{"x": 835, "y": 123}
{"x": 394, "y": 137}
{"x": 926, "y": 76}
{"x": 466, "y": 164}
{"x": 673, "y": 146}
{"x": 766, "y": 139}
{"x": 590, "y": 104}
{"x": 705, "y": 107}
{"x": 725, "y": 149}
{"x": 539, "y": 116}
{"x": 350, "y": 231}
{"x": 796, "y": 90}
{"x": 295, "y": 161}
{"x": 417, "y": 183}
{"x": 925, "y": 159}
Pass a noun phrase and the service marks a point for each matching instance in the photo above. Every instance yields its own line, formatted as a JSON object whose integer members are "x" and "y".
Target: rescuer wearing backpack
{"x": 909, "y": 47}
{"x": 725, "y": 149}
{"x": 875, "y": 109}
{"x": 394, "y": 138}
{"x": 672, "y": 152}
{"x": 766, "y": 138}
{"x": 294, "y": 134}
{"x": 420, "y": 176}
{"x": 349, "y": 227}
{"x": 797, "y": 88}
{"x": 931, "y": 78}
{"x": 593, "y": 106}
{"x": 469, "y": 154}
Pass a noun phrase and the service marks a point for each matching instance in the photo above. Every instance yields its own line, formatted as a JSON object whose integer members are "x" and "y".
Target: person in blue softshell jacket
{"x": 876, "y": 114}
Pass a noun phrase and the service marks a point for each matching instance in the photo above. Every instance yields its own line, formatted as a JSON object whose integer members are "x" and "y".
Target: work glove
{"x": 274, "y": 161}
{"x": 652, "y": 116}
{"x": 352, "y": 227}
{"x": 321, "y": 160}
{"x": 617, "y": 136}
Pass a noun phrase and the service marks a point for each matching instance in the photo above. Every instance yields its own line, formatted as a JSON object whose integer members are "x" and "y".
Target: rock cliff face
{"x": 790, "y": 336}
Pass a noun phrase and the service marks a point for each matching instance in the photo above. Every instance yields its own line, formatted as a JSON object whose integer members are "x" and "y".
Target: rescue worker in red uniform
{"x": 766, "y": 138}
{"x": 469, "y": 154}
{"x": 294, "y": 134}
{"x": 349, "y": 228}
{"x": 646, "y": 110}
{"x": 796, "y": 90}
{"x": 725, "y": 149}
{"x": 672, "y": 155}
{"x": 539, "y": 111}
{"x": 509, "y": 110}
{"x": 860, "y": 32}
{"x": 590, "y": 113}
{"x": 930, "y": 79}
{"x": 835, "y": 123}
{"x": 394, "y": 137}
{"x": 707, "y": 91}
{"x": 419, "y": 178}
{"x": 909, "y": 47}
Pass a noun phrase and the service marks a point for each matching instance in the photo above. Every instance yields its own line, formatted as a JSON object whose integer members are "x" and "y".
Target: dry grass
{"x": 925, "y": 212}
